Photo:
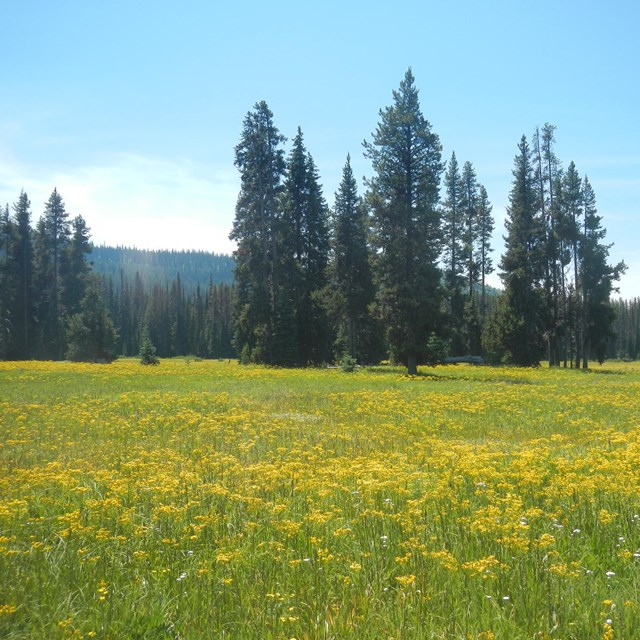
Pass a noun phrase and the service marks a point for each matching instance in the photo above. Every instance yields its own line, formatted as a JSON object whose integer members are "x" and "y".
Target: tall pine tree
{"x": 453, "y": 227}
{"x": 350, "y": 289}
{"x": 306, "y": 216}
{"x": 403, "y": 195}
{"x": 522, "y": 266}
{"x": 23, "y": 313}
{"x": 262, "y": 252}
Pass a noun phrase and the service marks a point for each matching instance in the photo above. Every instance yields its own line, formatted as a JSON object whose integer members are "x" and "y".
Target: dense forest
{"x": 398, "y": 272}
{"x": 195, "y": 268}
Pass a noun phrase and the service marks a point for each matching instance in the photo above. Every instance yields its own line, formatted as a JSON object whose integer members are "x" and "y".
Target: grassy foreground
{"x": 210, "y": 500}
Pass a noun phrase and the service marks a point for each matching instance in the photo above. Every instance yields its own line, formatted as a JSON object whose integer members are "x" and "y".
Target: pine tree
{"x": 350, "y": 289}
{"x": 470, "y": 225}
{"x": 76, "y": 268}
{"x": 22, "y": 251}
{"x": 548, "y": 182}
{"x": 260, "y": 234}
{"x": 7, "y": 282}
{"x": 522, "y": 267}
{"x": 453, "y": 228}
{"x": 55, "y": 233}
{"x": 567, "y": 230}
{"x": 597, "y": 278}
{"x": 483, "y": 244}
{"x": 91, "y": 334}
{"x": 306, "y": 216}
{"x": 403, "y": 195}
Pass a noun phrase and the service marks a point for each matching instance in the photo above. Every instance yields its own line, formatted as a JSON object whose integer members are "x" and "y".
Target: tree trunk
{"x": 412, "y": 364}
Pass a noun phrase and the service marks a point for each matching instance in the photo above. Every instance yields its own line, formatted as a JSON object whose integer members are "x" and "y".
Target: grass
{"x": 203, "y": 499}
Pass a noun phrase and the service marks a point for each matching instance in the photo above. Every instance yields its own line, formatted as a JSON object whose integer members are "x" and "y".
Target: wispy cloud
{"x": 137, "y": 201}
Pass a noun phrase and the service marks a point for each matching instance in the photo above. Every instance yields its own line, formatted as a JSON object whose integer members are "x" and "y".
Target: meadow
{"x": 202, "y": 499}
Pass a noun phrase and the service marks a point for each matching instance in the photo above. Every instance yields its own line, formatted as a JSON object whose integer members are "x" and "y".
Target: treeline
{"x": 401, "y": 270}
{"x": 54, "y": 306}
{"x": 397, "y": 272}
{"x": 177, "y": 320}
{"x": 44, "y": 278}
{"x": 195, "y": 268}
{"x": 625, "y": 341}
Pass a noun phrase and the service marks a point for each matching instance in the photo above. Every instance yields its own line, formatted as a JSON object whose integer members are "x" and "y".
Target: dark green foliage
{"x": 262, "y": 255}
{"x": 403, "y": 196}
{"x": 437, "y": 349}
{"x": 76, "y": 268}
{"x": 625, "y": 341}
{"x": 147, "y": 351}
{"x": 522, "y": 265}
{"x": 482, "y": 248}
{"x": 23, "y": 312}
{"x": 7, "y": 281}
{"x": 350, "y": 290}
{"x": 196, "y": 268}
{"x": 91, "y": 335}
{"x": 597, "y": 281}
{"x": 348, "y": 363}
{"x": 454, "y": 255}
{"x": 307, "y": 235}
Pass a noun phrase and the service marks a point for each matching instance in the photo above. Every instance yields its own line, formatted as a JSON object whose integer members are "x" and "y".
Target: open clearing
{"x": 202, "y": 499}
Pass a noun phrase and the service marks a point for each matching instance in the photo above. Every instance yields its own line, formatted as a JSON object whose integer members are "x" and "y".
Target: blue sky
{"x": 132, "y": 108}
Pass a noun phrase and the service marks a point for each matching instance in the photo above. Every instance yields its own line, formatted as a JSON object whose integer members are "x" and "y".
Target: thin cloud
{"x": 145, "y": 202}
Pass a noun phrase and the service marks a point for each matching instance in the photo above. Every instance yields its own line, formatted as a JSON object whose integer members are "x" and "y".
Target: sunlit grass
{"x": 203, "y": 499}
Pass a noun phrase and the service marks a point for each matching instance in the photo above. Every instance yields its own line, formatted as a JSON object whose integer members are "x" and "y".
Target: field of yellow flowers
{"x": 202, "y": 499}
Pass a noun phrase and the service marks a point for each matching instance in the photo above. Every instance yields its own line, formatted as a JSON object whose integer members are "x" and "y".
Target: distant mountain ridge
{"x": 162, "y": 266}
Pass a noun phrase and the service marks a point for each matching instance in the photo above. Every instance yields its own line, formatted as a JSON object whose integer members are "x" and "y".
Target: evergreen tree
{"x": 482, "y": 248}
{"x": 260, "y": 234}
{"x": 470, "y": 225}
{"x": 570, "y": 203}
{"x": 598, "y": 278}
{"x": 147, "y": 351}
{"x": 403, "y": 195}
{"x": 76, "y": 268}
{"x": 350, "y": 289}
{"x": 7, "y": 282}
{"x": 522, "y": 268}
{"x": 91, "y": 335}
{"x": 306, "y": 216}
{"x": 548, "y": 182}
{"x": 453, "y": 227}
{"x": 54, "y": 237}
{"x": 23, "y": 312}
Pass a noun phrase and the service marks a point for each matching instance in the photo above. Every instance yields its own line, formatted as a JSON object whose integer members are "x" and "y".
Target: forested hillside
{"x": 195, "y": 267}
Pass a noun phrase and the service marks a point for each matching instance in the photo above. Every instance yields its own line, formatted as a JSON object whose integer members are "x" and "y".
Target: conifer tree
{"x": 306, "y": 216}
{"x": 569, "y": 212}
{"x": 7, "y": 281}
{"x": 54, "y": 238}
{"x": 261, "y": 235}
{"x": 597, "y": 281}
{"x": 91, "y": 334}
{"x": 453, "y": 228}
{"x": 350, "y": 289}
{"x": 22, "y": 253}
{"x": 76, "y": 268}
{"x": 548, "y": 183}
{"x": 403, "y": 196}
{"x": 522, "y": 267}
{"x": 482, "y": 248}
{"x": 470, "y": 225}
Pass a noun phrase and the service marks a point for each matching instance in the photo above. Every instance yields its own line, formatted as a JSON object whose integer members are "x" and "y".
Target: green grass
{"x": 203, "y": 499}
